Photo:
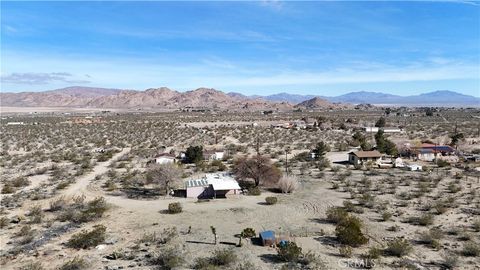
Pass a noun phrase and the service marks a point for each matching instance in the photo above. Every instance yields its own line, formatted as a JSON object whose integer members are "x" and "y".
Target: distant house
{"x": 431, "y": 152}
{"x": 362, "y": 157}
{"x": 414, "y": 167}
{"x": 15, "y": 123}
{"x": 213, "y": 155}
{"x": 385, "y": 129}
{"x": 212, "y": 185}
{"x": 164, "y": 158}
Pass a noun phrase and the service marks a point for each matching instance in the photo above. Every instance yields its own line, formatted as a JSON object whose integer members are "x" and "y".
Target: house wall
{"x": 195, "y": 192}
{"x": 162, "y": 160}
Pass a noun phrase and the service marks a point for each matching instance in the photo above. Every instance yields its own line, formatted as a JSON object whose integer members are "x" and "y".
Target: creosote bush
{"x": 175, "y": 208}
{"x": 76, "y": 263}
{"x": 398, "y": 247}
{"x": 86, "y": 239}
{"x": 271, "y": 200}
{"x": 289, "y": 252}
{"x": 220, "y": 257}
{"x": 349, "y": 232}
{"x": 471, "y": 249}
{"x": 336, "y": 214}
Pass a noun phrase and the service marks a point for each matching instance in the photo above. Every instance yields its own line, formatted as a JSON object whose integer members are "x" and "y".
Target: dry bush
{"x": 76, "y": 263}
{"x": 175, "y": 208}
{"x": 86, "y": 239}
{"x": 271, "y": 200}
{"x": 288, "y": 184}
{"x": 349, "y": 232}
{"x": 398, "y": 247}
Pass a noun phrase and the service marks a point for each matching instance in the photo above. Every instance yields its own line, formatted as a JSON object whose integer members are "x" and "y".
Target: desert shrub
{"x": 450, "y": 260}
{"x": 471, "y": 249}
{"x": 175, "y": 208}
{"x": 271, "y": 200}
{"x": 32, "y": 266}
{"x": 8, "y": 189}
{"x": 223, "y": 257}
{"x": 58, "y": 204}
{"x": 312, "y": 261}
{"x": 431, "y": 238}
{"x": 254, "y": 191}
{"x": 35, "y": 214}
{"x": 423, "y": 220}
{"x": 86, "y": 239}
{"x": 168, "y": 258}
{"x": 288, "y": 184}
{"x": 386, "y": 216}
{"x": 398, "y": 247}
{"x": 373, "y": 253}
{"x": 348, "y": 206}
{"x": 349, "y": 232}
{"x": 442, "y": 163}
{"x": 20, "y": 182}
{"x": 248, "y": 233}
{"x": 345, "y": 251}
{"x": 476, "y": 225}
{"x": 219, "y": 257}
{"x": 246, "y": 266}
{"x": 4, "y": 222}
{"x": 76, "y": 263}
{"x": 289, "y": 252}
{"x": 168, "y": 235}
{"x": 336, "y": 214}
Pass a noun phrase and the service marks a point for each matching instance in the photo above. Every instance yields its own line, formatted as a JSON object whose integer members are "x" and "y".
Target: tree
{"x": 455, "y": 138}
{"x": 166, "y": 176}
{"x": 259, "y": 168}
{"x": 320, "y": 150}
{"x": 384, "y": 145}
{"x": 388, "y": 111}
{"x": 381, "y": 122}
{"x": 194, "y": 154}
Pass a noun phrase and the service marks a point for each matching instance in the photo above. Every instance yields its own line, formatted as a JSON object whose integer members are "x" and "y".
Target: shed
{"x": 414, "y": 167}
{"x": 267, "y": 238}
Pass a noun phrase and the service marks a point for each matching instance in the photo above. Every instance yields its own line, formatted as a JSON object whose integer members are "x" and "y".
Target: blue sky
{"x": 323, "y": 48}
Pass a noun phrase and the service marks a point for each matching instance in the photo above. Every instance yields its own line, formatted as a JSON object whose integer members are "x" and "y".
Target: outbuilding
{"x": 362, "y": 157}
{"x": 212, "y": 185}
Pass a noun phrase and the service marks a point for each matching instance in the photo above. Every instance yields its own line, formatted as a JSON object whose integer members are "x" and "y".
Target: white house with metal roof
{"x": 212, "y": 185}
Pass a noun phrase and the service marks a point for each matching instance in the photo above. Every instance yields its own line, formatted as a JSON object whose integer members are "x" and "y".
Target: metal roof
{"x": 196, "y": 183}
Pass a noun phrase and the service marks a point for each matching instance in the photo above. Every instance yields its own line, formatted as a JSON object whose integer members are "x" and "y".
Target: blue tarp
{"x": 267, "y": 235}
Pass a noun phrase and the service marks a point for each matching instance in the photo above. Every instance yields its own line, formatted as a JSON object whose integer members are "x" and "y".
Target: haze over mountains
{"x": 78, "y": 96}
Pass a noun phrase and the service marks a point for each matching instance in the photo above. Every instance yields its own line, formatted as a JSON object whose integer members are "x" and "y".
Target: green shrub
{"x": 86, "y": 239}
{"x": 476, "y": 225}
{"x": 76, "y": 263}
{"x": 423, "y": 220}
{"x": 289, "y": 252}
{"x": 248, "y": 233}
{"x": 349, "y": 232}
{"x": 271, "y": 200}
{"x": 398, "y": 247}
{"x": 174, "y": 208}
{"x": 254, "y": 191}
{"x": 471, "y": 249}
{"x": 336, "y": 214}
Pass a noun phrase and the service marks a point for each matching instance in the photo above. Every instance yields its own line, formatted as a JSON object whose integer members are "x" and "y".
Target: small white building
{"x": 385, "y": 129}
{"x": 15, "y": 124}
{"x": 212, "y": 185}
{"x": 414, "y": 167}
{"x": 164, "y": 158}
{"x": 399, "y": 163}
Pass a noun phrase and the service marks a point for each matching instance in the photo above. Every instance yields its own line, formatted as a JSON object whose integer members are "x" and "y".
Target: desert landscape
{"x": 240, "y": 135}
{"x": 96, "y": 190}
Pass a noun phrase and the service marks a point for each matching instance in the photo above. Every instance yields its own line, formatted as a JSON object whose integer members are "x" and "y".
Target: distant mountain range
{"x": 165, "y": 98}
{"x": 436, "y": 98}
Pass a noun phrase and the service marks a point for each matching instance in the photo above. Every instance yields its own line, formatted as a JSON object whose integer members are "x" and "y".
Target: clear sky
{"x": 322, "y": 48}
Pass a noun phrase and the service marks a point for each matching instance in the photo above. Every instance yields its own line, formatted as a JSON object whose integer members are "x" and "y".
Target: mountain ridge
{"x": 77, "y": 96}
